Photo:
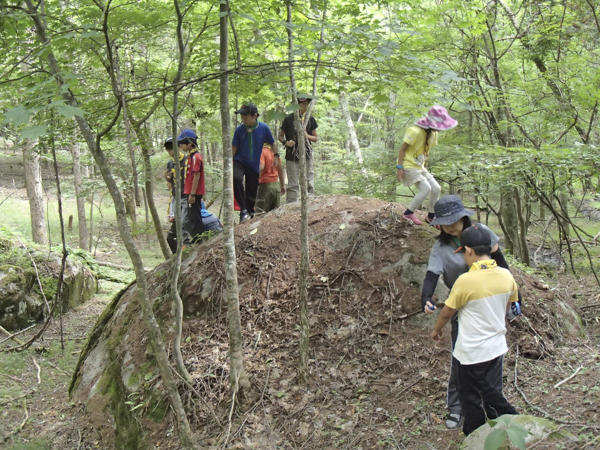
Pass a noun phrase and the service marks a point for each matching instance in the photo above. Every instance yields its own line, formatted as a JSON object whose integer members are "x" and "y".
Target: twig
{"x": 541, "y": 411}
{"x": 231, "y": 410}
{"x": 199, "y": 396}
{"x": 9, "y": 196}
{"x": 593, "y": 305}
{"x": 20, "y": 427}
{"x": 39, "y": 370}
{"x": 16, "y": 398}
{"x": 409, "y": 387}
{"x": 251, "y": 410}
{"x": 12, "y": 336}
{"x": 58, "y": 368}
{"x": 567, "y": 379}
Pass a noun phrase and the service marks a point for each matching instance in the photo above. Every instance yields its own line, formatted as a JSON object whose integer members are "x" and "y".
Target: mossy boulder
{"x": 538, "y": 429}
{"x": 21, "y": 299}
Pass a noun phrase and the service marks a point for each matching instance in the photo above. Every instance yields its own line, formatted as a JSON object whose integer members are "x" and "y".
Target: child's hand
{"x": 290, "y": 143}
{"x": 430, "y": 308}
{"x": 400, "y": 175}
{"x": 282, "y": 190}
{"x": 436, "y": 335}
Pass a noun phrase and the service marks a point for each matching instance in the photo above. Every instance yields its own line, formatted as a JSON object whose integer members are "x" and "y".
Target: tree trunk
{"x": 155, "y": 335}
{"x": 35, "y": 193}
{"x": 145, "y": 145}
{"x": 237, "y": 374}
{"x": 179, "y": 231}
{"x": 78, "y": 182}
{"x": 523, "y": 246}
{"x": 354, "y": 146}
{"x": 303, "y": 368}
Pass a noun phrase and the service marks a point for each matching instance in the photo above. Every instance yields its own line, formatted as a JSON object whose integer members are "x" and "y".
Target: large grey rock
{"x": 21, "y": 301}
{"x": 539, "y": 430}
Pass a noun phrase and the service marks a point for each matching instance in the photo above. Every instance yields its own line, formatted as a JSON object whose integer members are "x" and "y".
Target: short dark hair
{"x": 187, "y": 141}
{"x": 446, "y": 238}
{"x": 483, "y": 250}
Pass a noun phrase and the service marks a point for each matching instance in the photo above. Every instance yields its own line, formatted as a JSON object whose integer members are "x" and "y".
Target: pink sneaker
{"x": 412, "y": 218}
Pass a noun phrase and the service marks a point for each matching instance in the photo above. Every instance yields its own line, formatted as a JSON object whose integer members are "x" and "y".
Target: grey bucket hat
{"x": 449, "y": 209}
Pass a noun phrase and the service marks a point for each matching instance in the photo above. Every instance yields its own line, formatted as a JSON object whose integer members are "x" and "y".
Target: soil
{"x": 377, "y": 380}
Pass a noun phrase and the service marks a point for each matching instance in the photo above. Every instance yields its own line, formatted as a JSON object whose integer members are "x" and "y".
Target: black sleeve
{"x": 429, "y": 286}
{"x": 498, "y": 256}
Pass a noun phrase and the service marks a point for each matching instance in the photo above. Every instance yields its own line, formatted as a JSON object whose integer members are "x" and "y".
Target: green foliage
{"x": 511, "y": 432}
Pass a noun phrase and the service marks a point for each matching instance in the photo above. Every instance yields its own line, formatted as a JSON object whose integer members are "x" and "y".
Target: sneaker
{"x": 244, "y": 216}
{"x": 454, "y": 421}
{"x": 412, "y": 218}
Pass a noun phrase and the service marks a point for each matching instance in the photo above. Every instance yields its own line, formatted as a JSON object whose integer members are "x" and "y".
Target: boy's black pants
{"x": 478, "y": 396}
{"x": 244, "y": 198}
{"x": 193, "y": 221}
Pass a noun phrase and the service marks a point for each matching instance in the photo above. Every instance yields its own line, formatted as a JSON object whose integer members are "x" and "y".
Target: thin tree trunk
{"x": 35, "y": 193}
{"x": 303, "y": 368}
{"x": 78, "y": 182}
{"x": 136, "y": 189}
{"x": 237, "y": 373}
{"x": 354, "y": 145}
{"x": 177, "y": 265}
{"x": 93, "y": 176}
{"x": 524, "y": 248}
{"x": 93, "y": 142}
{"x": 145, "y": 144}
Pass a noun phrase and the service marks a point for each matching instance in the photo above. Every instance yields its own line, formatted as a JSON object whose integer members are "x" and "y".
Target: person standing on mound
{"x": 246, "y": 146}
{"x": 418, "y": 141}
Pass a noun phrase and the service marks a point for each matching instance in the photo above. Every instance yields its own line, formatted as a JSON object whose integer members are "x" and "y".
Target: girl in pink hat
{"x": 418, "y": 141}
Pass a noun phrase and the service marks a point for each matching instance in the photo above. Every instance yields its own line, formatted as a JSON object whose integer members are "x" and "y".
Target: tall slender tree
{"x": 303, "y": 369}
{"x": 237, "y": 374}
{"x": 156, "y": 339}
{"x": 35, "y": 192}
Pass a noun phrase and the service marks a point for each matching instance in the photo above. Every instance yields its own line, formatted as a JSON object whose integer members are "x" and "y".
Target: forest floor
{"x": 377, "y": 380}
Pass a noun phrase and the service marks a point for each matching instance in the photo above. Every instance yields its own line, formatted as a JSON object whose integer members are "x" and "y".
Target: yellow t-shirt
{"x": 415, "y": 155}
{"x": 481, "y": 296}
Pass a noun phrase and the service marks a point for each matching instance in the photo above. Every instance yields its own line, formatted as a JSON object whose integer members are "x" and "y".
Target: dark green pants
{"x": 268, "y": 197}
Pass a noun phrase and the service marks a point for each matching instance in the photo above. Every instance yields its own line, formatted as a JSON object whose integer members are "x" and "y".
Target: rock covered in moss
{"x": 21, "y": 299}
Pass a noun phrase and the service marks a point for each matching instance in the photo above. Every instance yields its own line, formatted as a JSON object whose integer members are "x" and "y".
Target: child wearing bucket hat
{"x": 418, "y": 141}
{"x": 453, "y": 218}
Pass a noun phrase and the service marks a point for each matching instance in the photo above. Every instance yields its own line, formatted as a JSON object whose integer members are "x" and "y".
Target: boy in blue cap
{"x": 194, "y": 187}
{"x": 248, "y": 141}
{"x": 170, "y": 177}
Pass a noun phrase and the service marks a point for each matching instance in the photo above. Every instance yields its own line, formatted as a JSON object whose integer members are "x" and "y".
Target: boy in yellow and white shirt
{"x": 482, "y": 297}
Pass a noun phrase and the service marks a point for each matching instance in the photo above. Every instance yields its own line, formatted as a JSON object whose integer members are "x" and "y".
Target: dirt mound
{"x": 376, "y": 376}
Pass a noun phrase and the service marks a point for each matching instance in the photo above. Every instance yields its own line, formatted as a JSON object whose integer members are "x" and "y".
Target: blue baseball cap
{"x": 187, "y": 134}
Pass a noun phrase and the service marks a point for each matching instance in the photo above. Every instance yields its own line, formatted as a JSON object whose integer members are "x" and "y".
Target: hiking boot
{"x": 412, "y": 218}
{"x": 454, "y": 421}
{"x": 244, "y": 216}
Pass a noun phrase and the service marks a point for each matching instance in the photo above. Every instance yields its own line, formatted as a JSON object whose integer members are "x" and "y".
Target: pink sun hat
{"x": 437, "y": 118}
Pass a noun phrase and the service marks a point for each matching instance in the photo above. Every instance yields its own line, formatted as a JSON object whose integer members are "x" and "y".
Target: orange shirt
{"x": 269, "y": 174}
